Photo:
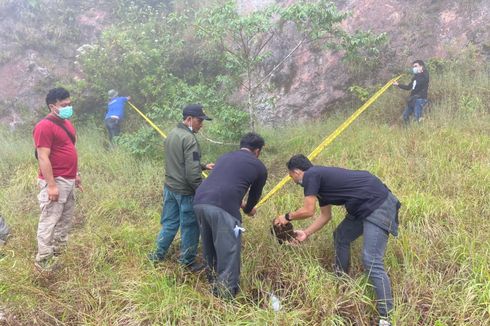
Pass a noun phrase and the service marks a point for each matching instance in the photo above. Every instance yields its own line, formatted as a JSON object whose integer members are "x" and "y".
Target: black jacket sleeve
{"x": 407, "y": 87}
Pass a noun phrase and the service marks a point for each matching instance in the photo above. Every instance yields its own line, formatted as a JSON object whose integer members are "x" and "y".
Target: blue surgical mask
{"x": 65, "y": 112}
{"x": 415, "y": 70}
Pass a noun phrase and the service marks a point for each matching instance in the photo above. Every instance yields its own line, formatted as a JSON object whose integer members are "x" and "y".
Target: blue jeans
{"x": 113, "y": 126}
{"x": 374, "y": 246}
{"x": 178, "y": 212}
{"x": 415, "y": 107}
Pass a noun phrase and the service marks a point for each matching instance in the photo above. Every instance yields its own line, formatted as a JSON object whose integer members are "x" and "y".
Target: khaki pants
{"x": 56, "y": 217}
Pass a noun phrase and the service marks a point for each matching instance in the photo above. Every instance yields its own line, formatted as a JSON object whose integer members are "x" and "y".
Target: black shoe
{"x": 195, "y": 267}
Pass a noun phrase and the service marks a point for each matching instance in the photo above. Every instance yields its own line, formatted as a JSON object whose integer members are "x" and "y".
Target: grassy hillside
{"x": 439, "y": 265}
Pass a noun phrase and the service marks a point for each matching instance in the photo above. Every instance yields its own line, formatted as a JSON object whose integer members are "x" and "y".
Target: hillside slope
{"x": 439, "y": 264}
{"x": 40, "y": 40}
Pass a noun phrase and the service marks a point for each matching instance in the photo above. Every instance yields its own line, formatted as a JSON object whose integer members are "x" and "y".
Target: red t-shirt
{"x": 63, "y": 155}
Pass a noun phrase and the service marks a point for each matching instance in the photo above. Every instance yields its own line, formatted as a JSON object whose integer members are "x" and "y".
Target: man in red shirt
{"x": 54, "y": 138}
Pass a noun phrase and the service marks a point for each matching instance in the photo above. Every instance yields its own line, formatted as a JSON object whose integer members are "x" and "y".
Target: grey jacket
{"x": 183, "y": 161}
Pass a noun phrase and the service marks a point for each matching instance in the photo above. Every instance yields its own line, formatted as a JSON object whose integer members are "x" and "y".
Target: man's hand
{"x": 281, "y": 220}
{"x": 252, "y": 212}
{"x": 209, "y": 166}
{"x": 53, "y": 192}
{"x": 300, "y": 235}
{"x": 78, "y": 183}
{"x": 395, "y": 83}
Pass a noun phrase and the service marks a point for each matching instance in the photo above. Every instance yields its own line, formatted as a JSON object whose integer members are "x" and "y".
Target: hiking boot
{"x": 46, "y": 265}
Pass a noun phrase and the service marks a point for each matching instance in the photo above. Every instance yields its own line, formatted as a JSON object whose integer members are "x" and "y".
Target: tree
{"x": 243, "y": 40}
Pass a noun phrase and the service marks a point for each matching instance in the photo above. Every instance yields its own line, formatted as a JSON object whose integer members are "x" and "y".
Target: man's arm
{"x": 192, "y": 162}
{"x": 405, "y": 87}
{"x": 306, "y": 211}
{"x": 318, "y": 223}
{"x": 254, "y": 194}
{"x": 47, "y": 172}
{"x": 78, "y": 182}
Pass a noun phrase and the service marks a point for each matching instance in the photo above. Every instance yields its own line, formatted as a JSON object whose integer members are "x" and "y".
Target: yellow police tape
{"x": 155, "y": 127}
{"x": 148, "y": 120}
{"x": 331, "y": 137}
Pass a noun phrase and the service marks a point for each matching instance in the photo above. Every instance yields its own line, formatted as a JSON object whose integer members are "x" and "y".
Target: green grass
{"x": 439, "y": 265}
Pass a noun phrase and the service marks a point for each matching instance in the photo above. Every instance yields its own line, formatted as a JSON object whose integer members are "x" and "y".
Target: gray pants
{"x": 221, "y": 243}
{"x": 56, "y": 217}
{"x": 375, "y": 240}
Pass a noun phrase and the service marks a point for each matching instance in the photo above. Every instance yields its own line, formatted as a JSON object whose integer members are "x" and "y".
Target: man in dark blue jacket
{"x": 217, "y": 205}
{"x": 418, "y": 87}
{"x": 372, "y": 211}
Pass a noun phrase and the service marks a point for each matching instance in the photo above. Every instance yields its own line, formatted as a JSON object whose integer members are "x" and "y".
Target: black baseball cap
{"x": 195, "y": 110}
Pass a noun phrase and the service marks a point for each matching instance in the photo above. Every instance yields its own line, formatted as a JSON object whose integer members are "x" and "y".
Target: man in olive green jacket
{"x": 182, "y": 177}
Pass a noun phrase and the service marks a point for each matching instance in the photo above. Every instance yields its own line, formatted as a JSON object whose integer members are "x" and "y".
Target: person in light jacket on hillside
{"x": 183, "y": 174}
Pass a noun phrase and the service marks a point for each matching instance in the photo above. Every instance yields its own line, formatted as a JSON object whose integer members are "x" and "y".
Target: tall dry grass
{"x": 439, "y": 265}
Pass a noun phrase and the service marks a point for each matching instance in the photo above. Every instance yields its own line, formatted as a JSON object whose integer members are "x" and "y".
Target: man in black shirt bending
{"x": 217, "y": 206}
{"x": 371, "y": 211}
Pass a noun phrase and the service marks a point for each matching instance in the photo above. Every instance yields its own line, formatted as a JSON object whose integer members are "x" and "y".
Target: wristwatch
{"x": 286, "y": 216}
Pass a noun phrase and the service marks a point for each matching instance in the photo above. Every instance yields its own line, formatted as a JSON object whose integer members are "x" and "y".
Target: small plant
{"x": 360, "y": 92}
{"x": 470, "y": 104}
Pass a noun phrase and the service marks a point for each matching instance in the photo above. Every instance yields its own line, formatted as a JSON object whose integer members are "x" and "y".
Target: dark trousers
{"x": 374, "y": 246}
{"x": 221, "y": 245}
{"x": 113, "y": 126}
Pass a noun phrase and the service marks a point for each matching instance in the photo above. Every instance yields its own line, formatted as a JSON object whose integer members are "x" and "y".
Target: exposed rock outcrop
{"x": 311, "y": 81}
{"x": 305, "y": 86}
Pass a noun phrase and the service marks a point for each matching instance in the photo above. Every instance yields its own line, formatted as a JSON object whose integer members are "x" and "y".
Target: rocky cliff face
{"x": 312, "y": 81}
{"x": 32, "y": 56}
{"x": 305, "y": 87}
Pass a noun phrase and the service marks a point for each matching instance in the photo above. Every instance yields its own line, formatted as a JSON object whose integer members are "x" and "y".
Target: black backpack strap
{"x": 56, "y": 122}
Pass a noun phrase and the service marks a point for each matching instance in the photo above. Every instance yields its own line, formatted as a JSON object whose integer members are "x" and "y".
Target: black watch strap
{"x": 287, "y": 217}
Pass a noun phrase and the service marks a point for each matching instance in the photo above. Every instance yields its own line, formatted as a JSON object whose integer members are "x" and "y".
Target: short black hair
{"x": 252, "y": 141}
{"x": 300, "y": 162}
{"x": 56, "y": 94}
{"x": 420, "y": 62}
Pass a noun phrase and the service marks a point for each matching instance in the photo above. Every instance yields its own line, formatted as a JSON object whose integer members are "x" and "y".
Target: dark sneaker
{"x": 195, "y": 267}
